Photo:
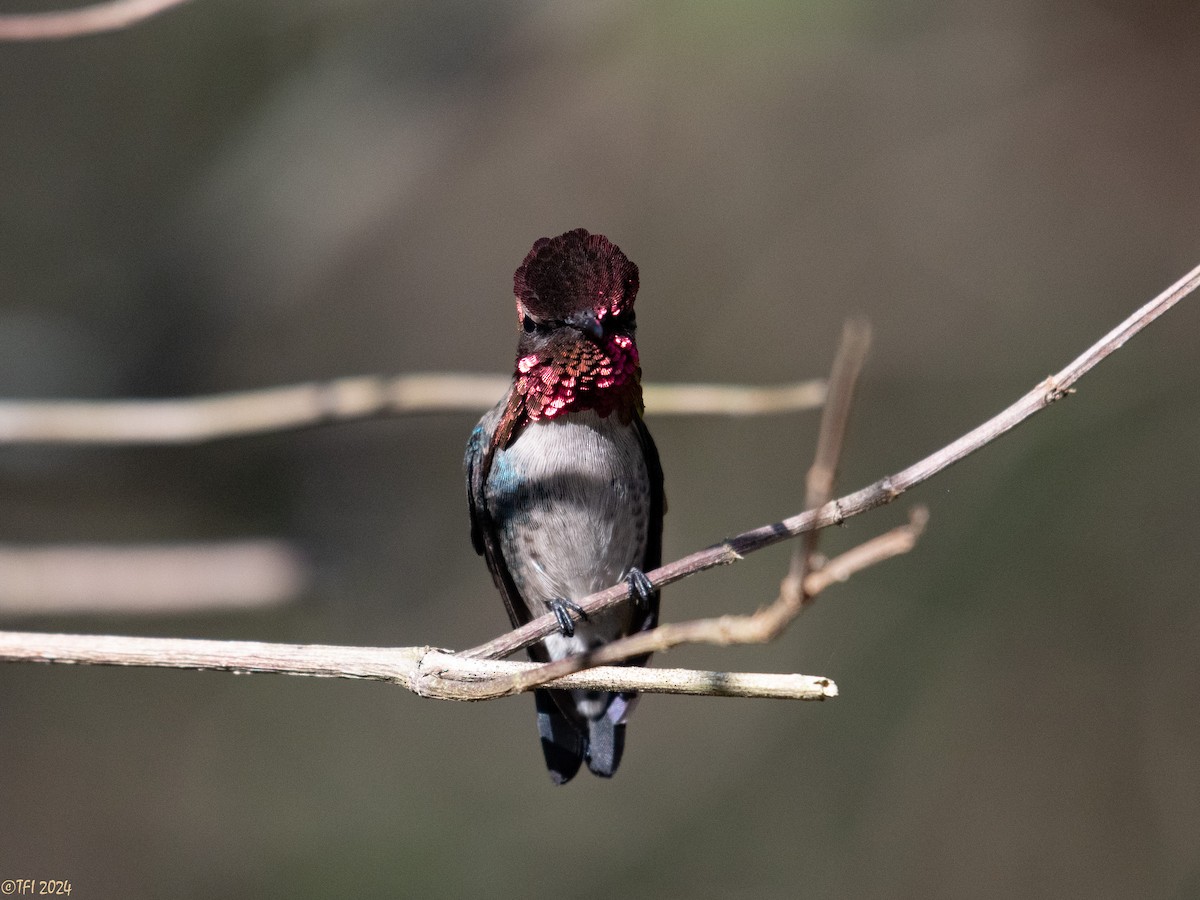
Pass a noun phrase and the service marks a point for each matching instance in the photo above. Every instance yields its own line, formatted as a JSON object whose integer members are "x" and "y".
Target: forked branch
{"x": 361, "y": 663}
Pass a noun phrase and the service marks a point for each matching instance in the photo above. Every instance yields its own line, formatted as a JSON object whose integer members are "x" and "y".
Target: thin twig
{"x": 896, "y": 542}
{"x": 875, "y": 495}
{"x": 427, "y": 671}
{"x": 94, "y": 19}
{"x": 822, "y": 475}
{"x": 197, "y": 419}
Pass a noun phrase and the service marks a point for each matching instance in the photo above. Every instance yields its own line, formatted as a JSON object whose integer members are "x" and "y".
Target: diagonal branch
{"x": 874, "y": 495}
{"x": 197, "y": 419}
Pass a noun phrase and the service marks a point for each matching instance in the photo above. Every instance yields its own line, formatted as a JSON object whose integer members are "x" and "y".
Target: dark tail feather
{"x": 606, "y": 743}
{"x": 562, "y": 742}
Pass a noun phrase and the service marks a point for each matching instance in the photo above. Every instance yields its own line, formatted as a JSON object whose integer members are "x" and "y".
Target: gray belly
{"x": 571, "y": 498}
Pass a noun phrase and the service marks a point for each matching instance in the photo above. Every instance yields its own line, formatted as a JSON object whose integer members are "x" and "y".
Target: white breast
{"x": 572, "y": 500}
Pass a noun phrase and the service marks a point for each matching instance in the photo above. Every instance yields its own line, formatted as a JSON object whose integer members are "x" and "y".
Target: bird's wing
{"x": 652, "y": 558}
{"x": 481, "y": 450}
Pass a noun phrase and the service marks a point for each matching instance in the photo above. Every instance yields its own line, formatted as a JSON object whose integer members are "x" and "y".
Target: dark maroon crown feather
{"x": 573, "y": 272}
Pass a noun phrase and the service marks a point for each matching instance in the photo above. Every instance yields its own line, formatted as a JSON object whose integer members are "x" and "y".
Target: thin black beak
{"x": 587, "y": 322}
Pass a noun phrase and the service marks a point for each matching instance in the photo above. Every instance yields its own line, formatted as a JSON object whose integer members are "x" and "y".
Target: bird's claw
{"x": 640, "y": 588}
{"x": 560, "y": 609}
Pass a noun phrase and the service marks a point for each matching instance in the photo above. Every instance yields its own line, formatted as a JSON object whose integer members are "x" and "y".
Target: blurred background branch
{"x": 93, "y": 19}
{"x": 152, "y": 579}
{"x": 100, "y": 579}
{"x": 198, "y": 419}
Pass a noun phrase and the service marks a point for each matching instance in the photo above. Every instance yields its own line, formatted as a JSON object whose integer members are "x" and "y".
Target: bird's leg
{"x": 560, "y": 606}
{"x": 640, "y": 588}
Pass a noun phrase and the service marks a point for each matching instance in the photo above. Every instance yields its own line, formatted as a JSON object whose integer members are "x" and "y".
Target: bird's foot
{"x": 562, "y": 609}
{"x": 640, "y": 588}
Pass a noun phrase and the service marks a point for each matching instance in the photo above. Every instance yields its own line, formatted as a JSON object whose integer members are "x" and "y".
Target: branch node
{"x": 1054, "y": 391}
{"x": 889, "y": 489}
{"x": 728, "y": 556}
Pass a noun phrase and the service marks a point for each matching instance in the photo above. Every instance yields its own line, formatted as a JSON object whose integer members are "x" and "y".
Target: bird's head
{"x": 576, "y": 350}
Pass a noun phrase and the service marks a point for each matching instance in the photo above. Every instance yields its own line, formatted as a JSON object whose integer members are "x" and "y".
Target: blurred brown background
{"x": 241, "y": 194}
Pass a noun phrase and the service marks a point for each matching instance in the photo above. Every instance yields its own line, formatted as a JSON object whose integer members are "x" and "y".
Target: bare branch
{"x": 731, "y": 399}
{"x": 197, "y": 419}
{"x": 835, "y": 420}
{"x": 892, "y": 543}
{"x": 875, "y": 495}
{"x": 94, "y": 19}
{"x": 426, "y": 671}
{"x": 843, "y": 380}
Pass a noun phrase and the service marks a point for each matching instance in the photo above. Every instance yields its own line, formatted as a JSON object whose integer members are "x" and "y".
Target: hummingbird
{"x": 564, "y": 483}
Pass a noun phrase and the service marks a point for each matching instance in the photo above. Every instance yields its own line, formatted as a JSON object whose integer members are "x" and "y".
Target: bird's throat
{"x": 582, "y": 376}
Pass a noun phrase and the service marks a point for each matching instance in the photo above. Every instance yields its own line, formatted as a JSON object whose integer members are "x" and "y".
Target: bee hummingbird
{"x": 564, "y": 483}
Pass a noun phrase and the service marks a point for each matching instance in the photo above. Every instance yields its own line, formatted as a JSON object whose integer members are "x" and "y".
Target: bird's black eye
{"x": 529, "y": 325}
